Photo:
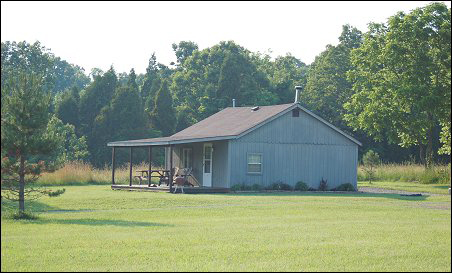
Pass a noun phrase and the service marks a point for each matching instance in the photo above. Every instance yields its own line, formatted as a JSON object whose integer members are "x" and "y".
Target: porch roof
{"x": 163, "y": 141}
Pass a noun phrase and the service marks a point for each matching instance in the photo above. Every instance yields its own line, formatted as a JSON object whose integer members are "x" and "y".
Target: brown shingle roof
{"x": 227, "y": 123}
{"x": 231, "y": 121}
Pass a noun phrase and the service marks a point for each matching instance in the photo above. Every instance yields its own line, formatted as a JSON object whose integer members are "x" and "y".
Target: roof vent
{"x": 254, "y": 109}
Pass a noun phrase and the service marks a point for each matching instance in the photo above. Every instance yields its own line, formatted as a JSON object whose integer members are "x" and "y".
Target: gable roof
{"x": 229, "y": 123}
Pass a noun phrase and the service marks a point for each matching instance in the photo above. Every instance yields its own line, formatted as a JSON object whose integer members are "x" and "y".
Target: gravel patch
{"x": 427, "y": 205}
{"x": 388, "y": 191}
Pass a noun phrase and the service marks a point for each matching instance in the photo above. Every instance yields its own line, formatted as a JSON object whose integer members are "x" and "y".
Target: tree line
{"x": 388, "y": 87}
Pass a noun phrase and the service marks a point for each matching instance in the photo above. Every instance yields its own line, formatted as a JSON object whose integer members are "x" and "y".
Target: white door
{"x": 207, "y": 165}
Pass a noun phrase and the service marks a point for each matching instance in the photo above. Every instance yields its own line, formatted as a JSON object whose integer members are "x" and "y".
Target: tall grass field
{"x": 439, "y": 174}
{"x": 80, "y": 173}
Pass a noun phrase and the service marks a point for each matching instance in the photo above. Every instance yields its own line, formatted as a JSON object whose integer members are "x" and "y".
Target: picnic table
{"x": 162, "y": 174}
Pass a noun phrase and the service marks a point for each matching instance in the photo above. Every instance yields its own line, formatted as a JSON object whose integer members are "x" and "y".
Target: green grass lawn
{"x": 92, "y": 228}
{"x": 407, "y": 186}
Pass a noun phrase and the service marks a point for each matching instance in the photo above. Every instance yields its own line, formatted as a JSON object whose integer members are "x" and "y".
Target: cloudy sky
{"x": 99, "y": 34}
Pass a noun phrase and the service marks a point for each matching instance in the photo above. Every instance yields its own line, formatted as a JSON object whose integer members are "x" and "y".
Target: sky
{"x": 125, "y": 34}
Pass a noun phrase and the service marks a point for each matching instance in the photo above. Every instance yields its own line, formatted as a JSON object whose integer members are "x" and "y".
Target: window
{"x": 296, "y": 112}
{"x": 186, "y": 157}
{"x": 207, "y": 158}
{"x": 254, "y": 163}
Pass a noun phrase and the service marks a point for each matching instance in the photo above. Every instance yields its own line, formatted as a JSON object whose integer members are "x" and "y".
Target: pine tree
{"x": 132, "y": 82}
{"x": 96, "y": 96}
{"x": 24, "y": 119}
{"x": 150, "y": 100}
{"x": 123, "y": 119}
{"x": 149, "y": 79}
{"x": 163, "y": 117}
{"x": 67, "y": 110}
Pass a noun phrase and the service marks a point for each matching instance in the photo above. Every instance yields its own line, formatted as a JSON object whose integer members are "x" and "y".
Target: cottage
{"x": 257, "y": 145}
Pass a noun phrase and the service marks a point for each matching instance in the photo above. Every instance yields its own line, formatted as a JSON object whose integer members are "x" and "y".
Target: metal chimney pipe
{"x": 297, "y": 90}
{"x": 233, "y": 102}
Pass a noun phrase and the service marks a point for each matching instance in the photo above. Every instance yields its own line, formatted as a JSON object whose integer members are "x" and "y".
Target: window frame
{"x": 187, "y": 158}
{"x": 248, "y": 163}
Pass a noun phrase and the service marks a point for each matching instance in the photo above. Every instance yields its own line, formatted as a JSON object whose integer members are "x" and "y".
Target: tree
{"x": 402, "y": 79}
{"x": 163, "y": 117}
{"x": 284, "y": 73}
{"x": 371, "y": 159}
{"x": 67, "y": 75}
{"x": 69, "y": 146}
{"x": 26, "y": 58}
{"x": 67, "y": 109}
{"x": 445, "y": 138}
{"x": 58, "y": 74}
{"x": 122, "y": 119}
{"x": 150, "y": 100}
{"x": 184, "y": 118}
{"x": 203, "y": 82}
{"x": 24, "y": 119}
{"x": 327, "y": 87}
{"x": 183, "y": 50}
{"x": 231, "y": 75}
{"x": 132, "y": 81}
{"x": 96, "y": 96}
{"x": 151, "y": 83}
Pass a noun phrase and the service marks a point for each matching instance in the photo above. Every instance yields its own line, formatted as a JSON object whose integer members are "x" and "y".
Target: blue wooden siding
{"x": 219, "y": 162}
{"x": 294, "y": 149}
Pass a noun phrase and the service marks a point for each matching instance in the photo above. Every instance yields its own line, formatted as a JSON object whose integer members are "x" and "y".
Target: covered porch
{"x": 193, "y": 161}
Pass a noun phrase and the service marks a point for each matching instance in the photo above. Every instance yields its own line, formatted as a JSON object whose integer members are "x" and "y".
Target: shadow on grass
{"x": 332, "y": 194}
{"x": 32, "y": 206}
{"x": 97, "y": 222}
{"x": 445, "y": 187}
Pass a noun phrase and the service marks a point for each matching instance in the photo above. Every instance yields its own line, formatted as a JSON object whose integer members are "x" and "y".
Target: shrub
{"x": 236, "y": 187}
{"x": 301, "y": 186}
{"x": 323, "y": 185}
{"x": 56, "y": 193}
{"x": 256, "y": 187}
{"x": 21, "y": 215}
{"x": 279, "y": 186}
{"x": 371, "y": 159}
{"x": 242, "y": 187}
{"x": 345, "y": 187}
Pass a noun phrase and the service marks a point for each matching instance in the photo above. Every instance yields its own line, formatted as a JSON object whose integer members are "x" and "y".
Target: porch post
{"x": 130, "y": 176}
{"x": 113, "y": 165}
{"x": 150, "y": 164}
{"x": 171, "y": 168}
